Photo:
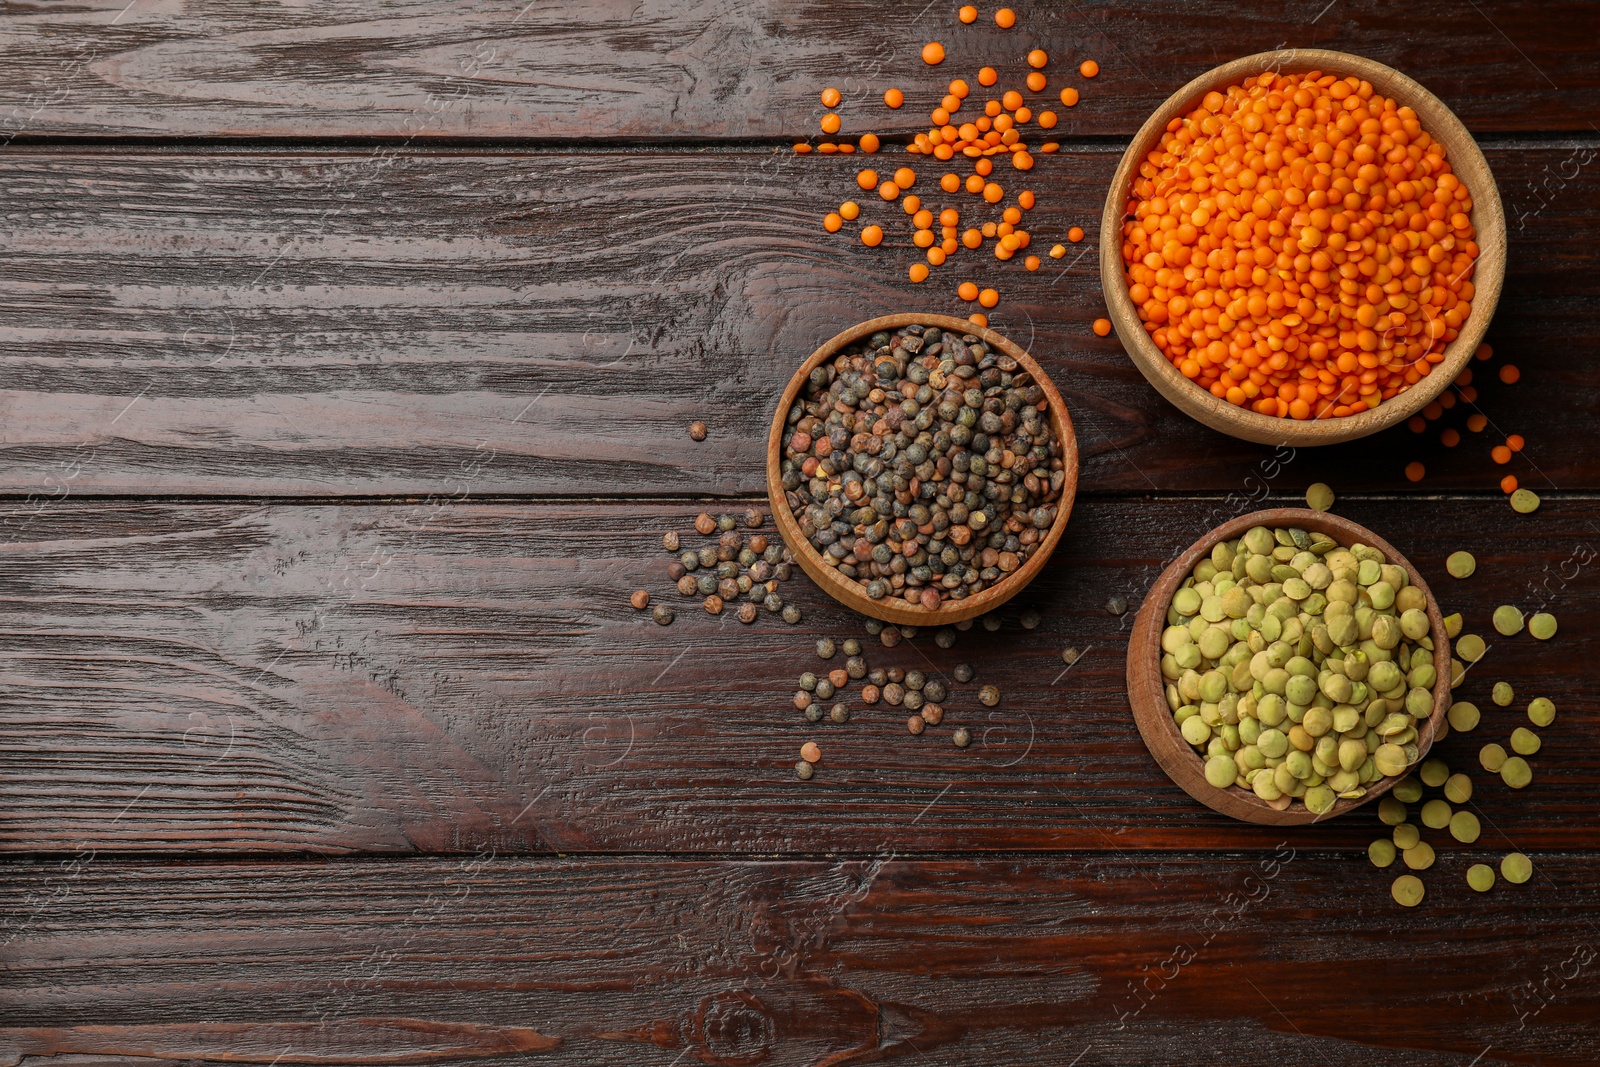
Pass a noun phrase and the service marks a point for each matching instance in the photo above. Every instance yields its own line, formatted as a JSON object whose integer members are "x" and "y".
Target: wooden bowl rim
{"x": 1154, "y": 718}
{"x": 1487, "y": 214}
{"x": 848, "y": 592}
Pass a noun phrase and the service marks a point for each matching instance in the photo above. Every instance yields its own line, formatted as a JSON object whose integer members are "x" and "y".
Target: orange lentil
{"x": 1417, "y": 423}
{"x": 1508, "y": 484}
{"x": 832, "y": 222}
{"x": 936, "y": 255}
{"x": 1450, "y": 438}
{"x": 983, "y": 167}
{"x": 979, "y": 318}
{"x": 894, "y": 98}
{"x": 1010, "y": 242}
{"x": 959, "y": 89}
{"x": 987, "y": 76}
{"x": 933, "y": 53}
{"x": 1483, "y": 351}
{"x": 1036, "y": 81}
{"x": 923, "y": 219}
{"x": 830, "y": 123}
{"x": 990, "y": 229}
{"x": 974, "y": 183}
{"x": 1025, "y": 200}
{"x": 951, "y": 103}
{"x": 1415, "y": 471}
{"x": 949, "y": 217}
{"x": 905, "y": 177}
{"x": 802, "y": 147}
{"x": 1047, "y": 120}
{"x": 849, "y": 209}
{"x": 967, "y": 291}
{"x": 1058, "y": 251}
{"x": 1476, "y": 422}
{"x": 922, "y": 238}
{"x": 1088, "y": 68}
{"x": 993, "y": 193}
{"x": 1277, "y": 256}
{"x": 1515, "y": 442}
{"x": 1509, "y": 374}
{"x": 940, "y": 116}
{"x": 1001, "y": 252}
{"x": 950, "y": 183}
{"x": 1022, "y": 161}
{"x": 1050, "y": 146}
{"x": 846, "y": 147}
{"x": 1005, "y": 18}
{"x": 1011, "y": 101}
{"x": 1023, "y": 115}
{"x": 1465, "y": 377}
{"x": 968, "y": 13}
{"x": 988, "y": 298}
{"x": 1069, "y": 96}
{"x": 918, "y": 272}
{"x": 827, "y": 148}
{"x": 1447, "y": 400}
{"x": 830, "y": 97}
{"x": 1433, "y": 411}
{"x": 1102, "y": 327}
{"x": 872, "y": 236}
{"x": 888, "y": 190}
{"x": 1032, "y": 263}
{"x": 1469, "y": 393}
{"x": 1075, "y": 234}
{"x": 869, "y": 142}
{"x": 972, "y": 238}
{"x": 1500, "y": 454}
{"x": 1012, "y": 215}
{"x": 912, "y": 205}
{"x": 992, "y": 108}
{"x": 1036, "y": 59}
{"x": 867, "y": 179}
{"x": 949, "y": 245}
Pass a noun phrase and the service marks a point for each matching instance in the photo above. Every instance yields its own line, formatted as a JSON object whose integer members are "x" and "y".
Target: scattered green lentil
{"x": 1464, "y": 827}
{"x": 851, "y": 647}
{"x": 1434, "y": 772}
{"x": 813, "y": 712}
{"x": 1458, "y": 673}
{"x": 826, "y": 648}
{"x": 1452, "y": 625}
{"x": 991, "y": 622}
{"x": 1418, "y": 857}
{"x": 1516, "y": 868}
{"x": 989, "y": 696}
{"x": 1319, "y": 496}
{"x": 839, "y": 713}
{"x": 1406, "y": 835}
{"x": 1030, "y": 620}
{"x": 1492, "y": 758}
{"x": 804, "y": 769}
{"x": 1391, "y": 812}
{"x": 1507, "y": 620}
{"x": 1381, "y": 852}
{"x": 962, "y": 737}
{"x": 1436, "y": 814}
{"x": 1463, "y": 715}
{"x": 662, "y": 614}
{"x": 1117, "y": 605}
{"x": 1408, "y": 790}
{"x": 944, "y": 637}
{"x": 754, "y": 518}
{"x": 791, "y": 614}
{"x": 1407, "y": 890}
{"x": 1524, "y": 742}
{"x": 1480, "y": 876}
{"x": 1524, "y": 501}
{"x": 1461, "y": 564}
{"x": 962, "y": 672}
{"x": 1458, "y": 789}
{"x": 1503, "y": 694}
{"x": 1516, "y": 773}
{"x": 1069, "y": 655}
{"x": 1542, "y": 626}
{"x": 874, "y": 626}
{"x": 1470, "y": 647}
{"x": 1541, "y": 712}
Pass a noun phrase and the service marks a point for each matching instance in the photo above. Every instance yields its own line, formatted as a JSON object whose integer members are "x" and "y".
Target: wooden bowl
{"x": 848, "y": 592}
{"x": 1147, "y": 689}
{"x": 1487, "y": 218}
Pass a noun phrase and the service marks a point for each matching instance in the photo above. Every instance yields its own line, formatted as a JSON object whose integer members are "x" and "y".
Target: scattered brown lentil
{"x": 640, "y": 600}
{"x": 713, "y": 604}
{"x": 989, "y": 696}
{"x": 748, "y": 613}
{"x": 670, "y": 541}
{"x": 705, "y": 524}
{"x": 804, "y": 770}
{"x": 662, "y": 614}
{"x": 810, "y": 752}
{"x": 697, "y": 431}
{"x": 962, "y": 737}
{"x": 932, "y": 714}
{"x": 916, "y": 724}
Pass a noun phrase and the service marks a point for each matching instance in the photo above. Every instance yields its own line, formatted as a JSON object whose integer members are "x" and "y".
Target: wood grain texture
{"x": 282, "y": 323}
{"x": 658, "y": 70}
{"x": 1189, "y": 958}
{"x": 445, "y": 677}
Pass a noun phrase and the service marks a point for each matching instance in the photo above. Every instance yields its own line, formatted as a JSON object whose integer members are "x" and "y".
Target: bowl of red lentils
{"x": 1302, "y": 247}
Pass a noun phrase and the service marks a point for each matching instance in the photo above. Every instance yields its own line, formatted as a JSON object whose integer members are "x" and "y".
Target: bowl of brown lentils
{"x": 922, "y": 468}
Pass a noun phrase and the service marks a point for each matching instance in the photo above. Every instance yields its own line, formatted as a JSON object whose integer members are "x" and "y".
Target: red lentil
{"x": 1102, "y": 327}
{"x": 1415, "y": 471}
{"x": 1005, "y": 18}
{"x": 1510, "y": 374}
{"x": 894, "y": 98}
{"x": 933, "y": 53}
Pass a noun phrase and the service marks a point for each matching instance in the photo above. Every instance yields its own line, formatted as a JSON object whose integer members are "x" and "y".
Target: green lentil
{"x": 1470, "y": 647}
{"x": 826, "y": 648}
{"x": 1391, "y": 812}
{"x": 944, "y": 637}
{"x": 1524, "y": 501}
{"x": 1458, "y": 789}
{"x": 1434, "y": 772}
{"x": 791, "y": 614}
{"x": 1464, "y": 827}
{"x": 1492, "y": 758}
{"x": 1542, "y": 626}
{"x": 1408, "y": 790}
{"x": 1381, "y": 852}
{"x": 813, "y": 712}
{"x": 1516, "y": 868}
{"x": 962, "y": 672}
{"x": 1516, "y": 773}
{"x": 1507, "y": 620}
{"x": 1503, "y": 694}
{"x": 962, "y": 737}
{"x": 1452, "y": 625}
{"x": 1463, "y": 715}
{"x": 991, "y": 622}
{"x": 1480, "y": 876}
{"x": 803, "y": 770}
{"x": 1406, "y": 836}
{"x": 839, "y": 713}
{"x": 1541, "y": 712}
{"x": 662, "y": 614}
{"x": 1418, "y": 857}
{"x": 1030, "y": 620}
{"x": 1524, "y": 742}
{"x": 1436, "y": 814}
{"x": 1069, "y": 655}
{"x": 1407, "y": 890}
{"x": 1460, "y": 564}
{"x": 1117, "y": 605}
{"x": 1319, "y": 496}
{"x": 851, "y": 647}
{"x": 989, "y": 696}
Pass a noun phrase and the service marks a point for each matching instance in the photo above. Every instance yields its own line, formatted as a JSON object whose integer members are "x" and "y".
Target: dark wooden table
{"x": 348, "y": 353}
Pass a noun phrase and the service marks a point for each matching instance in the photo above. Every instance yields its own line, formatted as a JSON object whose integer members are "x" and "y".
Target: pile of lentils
{"x": 737, "y": 567}
{"x": 1299, "y": 669}
{"x": 922, "y": 465}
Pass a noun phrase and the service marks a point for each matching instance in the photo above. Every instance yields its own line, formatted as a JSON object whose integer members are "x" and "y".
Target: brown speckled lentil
{"x": 870, "y": 694}
{"x": 989, "y": 696}
{"x": 932, "y": 714}
{"x": 662, "y": 614}
{"x": 962, "y": 737}
{"x": 670, "y": 541}
{"x": 705, "y": 524}
{"x": 640, "y": 599}
{"x": 697, "y": 431}
{"x": 804, "y": 771}
{"x": 916, "y": 724}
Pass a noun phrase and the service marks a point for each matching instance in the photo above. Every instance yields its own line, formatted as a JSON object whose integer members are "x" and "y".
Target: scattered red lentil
{"x": 830, "y": 97}
{"x": 830, "y": 124}
{"x": 1417, "y": 423}
{"x": 1500, "y": 454}
{"x": 1433, "y": 410}
{"x": 1075, "y": 234}
{"x": 978, "y": 317}
{"x": 1036, "y": 81}
{"x": 1025, "y": 200}
{"x": 867, "y": 179}
{"x": 872, "y": 236}
{"x": 1482, "y": 352}
{"x": 1005, "y": 18}
{"x": 802, "y": 147}
{"x": 1476, "y": 422}
{"x": 1088, "y": 68}
{"x": 988, "y": 298}
{"x": 988, "y": 75}
{"x": 933, "y": 53}
{"x": 967, "y": 291}
{"x": 968, "y": 14}
{"x": 894, "y": 98}
{"x": 1038, "y": 58}
{"x": 1508, "y": 484}
{"x": 1450, "y": 438}
{"x": 869, "y": 142}
{"x": 1515, "y": 442}
{"x": 832, "y": 222}
{"x": 1415, "y": 471}
{"x": 919, "y": 272}
{"x": 1510, "y": 374}
{"x": 1069, "y": 96}
{"x": 1102, "y": 327}
{"x": 1032, "y": 263}
{"x": 1058, "y": 251}
{"x": 1469, "y": 393}
{"x": 888, "y": 190}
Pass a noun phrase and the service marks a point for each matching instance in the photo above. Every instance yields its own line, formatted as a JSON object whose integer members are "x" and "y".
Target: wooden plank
{"x": 454, "y": 676}
{"x": 282, "y": 323}
{"x": 1192, "y": 958}
{"x": 437, "y": 68}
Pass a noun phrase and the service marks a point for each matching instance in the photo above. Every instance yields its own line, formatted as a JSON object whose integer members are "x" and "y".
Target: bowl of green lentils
{"x": 1289, "y": 666}
{"x": 921, "y": 468}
